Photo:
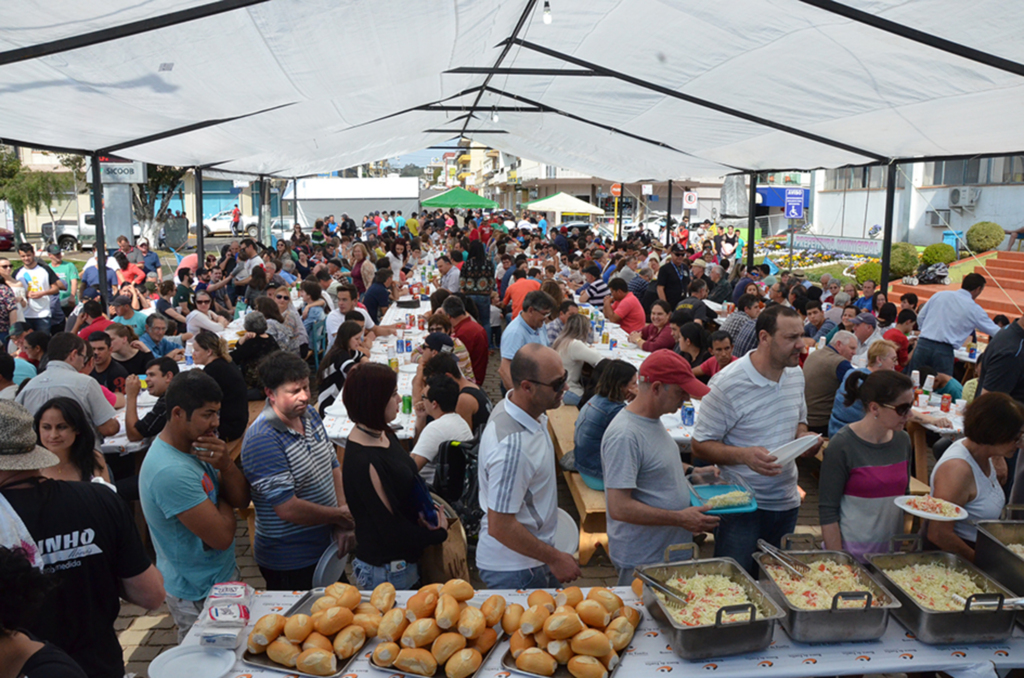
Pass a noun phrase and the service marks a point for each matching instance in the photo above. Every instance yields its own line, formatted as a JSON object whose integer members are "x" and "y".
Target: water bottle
{"x": 188, "y": 352}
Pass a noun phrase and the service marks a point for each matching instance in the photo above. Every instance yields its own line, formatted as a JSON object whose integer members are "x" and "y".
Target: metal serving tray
{"x": 970, "y": 625}
{"x": 721, "y": 638}
{"x": 440, "y": 673}
{"x": 302, "y": 606}
{"x": 993, "y": 557}
{"x": 836, "y": 624}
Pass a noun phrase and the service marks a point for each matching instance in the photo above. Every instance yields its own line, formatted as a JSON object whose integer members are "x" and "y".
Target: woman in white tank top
{"x": 966, "y": 473}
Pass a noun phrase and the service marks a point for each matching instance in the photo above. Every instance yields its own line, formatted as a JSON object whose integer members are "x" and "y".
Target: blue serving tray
{"x": 701, "y": 493}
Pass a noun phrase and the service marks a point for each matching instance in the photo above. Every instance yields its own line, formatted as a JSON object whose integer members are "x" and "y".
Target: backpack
{"x": 456, "y": 481}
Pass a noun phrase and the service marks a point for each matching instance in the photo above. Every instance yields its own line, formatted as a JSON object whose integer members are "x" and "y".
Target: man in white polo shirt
{"x": 755, "y": 405}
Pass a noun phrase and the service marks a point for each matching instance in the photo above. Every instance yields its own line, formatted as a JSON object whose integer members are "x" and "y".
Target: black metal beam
{"x": 127, "y": 30}
{"x": 890, "y": 206}
{"x": 43, "y": 147}
{"x": 751, "y": 220}
{"x": 553, "y": 72}
{"x": 185, "y": 129}
{"x": 101, "y": 239}
{"x": 498, "y": 109}
{"x": 704, "y": 103}
{"x": 927, "y": 39}
{"x": 465, "y": 131}
{"x": 200, "y": 235}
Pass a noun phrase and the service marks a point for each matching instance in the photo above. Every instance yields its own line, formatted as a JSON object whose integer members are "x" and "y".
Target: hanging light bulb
{"x": 547, "y": 12}
{"x": 494, "y": 115}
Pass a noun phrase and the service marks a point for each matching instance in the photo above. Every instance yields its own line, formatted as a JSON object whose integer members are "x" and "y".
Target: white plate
{"x": 408, "y": 368}
{"x": 192, "y": 661}
{"x": 902, "y": 503}
{"x": 794, "y": 449}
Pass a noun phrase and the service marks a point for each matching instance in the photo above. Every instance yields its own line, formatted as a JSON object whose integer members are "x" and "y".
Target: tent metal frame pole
{"x": 668, "y": 215}
{"x": 200, "y": 229}
{"x": 101, "y": 240}
{"x": 751, "y": 220}
{"x": 295, "y": 201}
{"x": 890, "y": 208}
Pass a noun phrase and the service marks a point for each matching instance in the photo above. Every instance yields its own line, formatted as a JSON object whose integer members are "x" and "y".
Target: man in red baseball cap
{"x": 645, "y": 484}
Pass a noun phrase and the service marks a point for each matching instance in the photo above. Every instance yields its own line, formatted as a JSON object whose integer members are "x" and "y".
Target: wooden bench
{"x": 589, "y": 503}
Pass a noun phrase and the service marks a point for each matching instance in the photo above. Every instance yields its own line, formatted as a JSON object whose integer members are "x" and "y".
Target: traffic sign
{"x": 647, "y": 189}
{"x": 690, "y": 200}
{"x": 616, "y": 190}
{"x": 794, "y": 203}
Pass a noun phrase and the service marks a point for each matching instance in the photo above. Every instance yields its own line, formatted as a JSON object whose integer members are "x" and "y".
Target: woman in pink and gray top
{"x": 867, "y": 464}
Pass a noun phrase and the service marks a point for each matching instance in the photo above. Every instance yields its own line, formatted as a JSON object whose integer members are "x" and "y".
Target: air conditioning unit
{"x": 963, "y": 196}
{"x": 938, "y": 218}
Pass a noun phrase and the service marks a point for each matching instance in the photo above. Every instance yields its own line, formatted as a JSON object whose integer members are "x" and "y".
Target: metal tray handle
{"x": 984, "y": 599}
{"x": 691, "y": 547}
{"x": 852, "y": 595}
{"x": 898, "y": 540}
{"x": 1009, "y": 510}
{"x": 735, "y": 609}
{"x": 799, "y": 541}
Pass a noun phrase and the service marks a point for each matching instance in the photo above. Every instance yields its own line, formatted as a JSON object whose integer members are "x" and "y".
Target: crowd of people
{"x": 768, "y": 358}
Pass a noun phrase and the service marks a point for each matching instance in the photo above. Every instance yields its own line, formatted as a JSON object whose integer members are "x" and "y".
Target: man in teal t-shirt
{"x": 68, "y": 274}
{"x": 189, "y": 488}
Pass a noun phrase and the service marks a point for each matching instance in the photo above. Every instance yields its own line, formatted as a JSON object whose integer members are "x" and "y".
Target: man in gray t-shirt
{"x": 646, "y": 489}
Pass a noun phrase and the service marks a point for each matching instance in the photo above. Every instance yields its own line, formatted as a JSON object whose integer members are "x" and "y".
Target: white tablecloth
{"x": 119, "y": 444}
{"x": 650, "y": 652}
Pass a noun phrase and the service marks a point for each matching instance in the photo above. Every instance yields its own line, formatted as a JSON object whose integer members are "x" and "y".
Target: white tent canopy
{"x": 631, "y": 90}
{"x": 563, "y": 202}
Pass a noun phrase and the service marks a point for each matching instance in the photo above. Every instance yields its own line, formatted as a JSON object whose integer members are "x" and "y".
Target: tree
{"x": 411, "y": 170}
{"x": 152, "y": 200}
{"x": 26, "y": 189}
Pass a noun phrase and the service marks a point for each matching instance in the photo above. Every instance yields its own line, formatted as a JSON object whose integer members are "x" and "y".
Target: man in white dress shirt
{"x": 947, "y": 320}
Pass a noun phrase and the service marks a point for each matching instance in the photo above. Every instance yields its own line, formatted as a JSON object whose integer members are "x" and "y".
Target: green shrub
{"x": 985, "y": 236}
{"x": 903, "y": 260}
{"x": 869, "y": 271}
{"x": 939, "y": 253}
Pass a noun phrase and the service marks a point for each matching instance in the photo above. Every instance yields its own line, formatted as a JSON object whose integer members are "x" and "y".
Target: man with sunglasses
{"x": 518, "y": 482}
{"x": 149, "y": 259}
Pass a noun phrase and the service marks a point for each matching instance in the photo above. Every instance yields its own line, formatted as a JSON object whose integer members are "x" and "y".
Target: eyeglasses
{"x": 556, "y": 385}
{"x": 900, "y": 410}
{"x": 281, "y": 297}
{"x": 202, "y": 301}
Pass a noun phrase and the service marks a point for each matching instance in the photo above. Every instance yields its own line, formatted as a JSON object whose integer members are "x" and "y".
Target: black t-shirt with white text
{"x": 86, "y": 538}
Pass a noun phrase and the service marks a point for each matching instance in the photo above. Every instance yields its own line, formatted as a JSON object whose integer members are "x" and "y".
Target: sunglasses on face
{"x": 900, "y": 410}
{"x": 281, "y": 297}
{"x": 555, "y": 385}
{"x": 202, "y": 301}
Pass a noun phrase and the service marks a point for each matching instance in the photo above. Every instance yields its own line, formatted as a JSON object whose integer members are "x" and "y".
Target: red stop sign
{"x": 616, "y": 190}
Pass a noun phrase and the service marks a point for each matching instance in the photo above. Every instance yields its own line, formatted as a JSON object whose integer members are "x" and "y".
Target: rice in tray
{"x": 705, "y": 594}
{"x": 728, "y": 499}
{"x": 1018, "y": 549}
{"x": 932, "y": 585}
{"x": 819, "y": 586}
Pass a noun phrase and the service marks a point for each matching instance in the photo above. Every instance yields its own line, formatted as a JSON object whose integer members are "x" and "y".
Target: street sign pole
{"x": 668, "y": 215}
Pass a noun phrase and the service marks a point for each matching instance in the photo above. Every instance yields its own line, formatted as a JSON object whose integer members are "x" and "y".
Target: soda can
{"x": 393, "y": 364}
{"x": 947, "y": 402}
{"x": 408, "y": 345}
{"x": 410, "y": 320}
{"x": 422, "y": 324}
{"x": 972, "y": 351}
{"x": 407, "y": 404}
{"x": 400, "y": 346}
{"x": 604, "y": 337}
{"x": 613, "y": 344}
{"x": 688, "y": 414}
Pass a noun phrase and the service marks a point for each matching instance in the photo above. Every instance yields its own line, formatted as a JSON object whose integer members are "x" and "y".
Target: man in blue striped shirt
{"x": 293, "y": 469}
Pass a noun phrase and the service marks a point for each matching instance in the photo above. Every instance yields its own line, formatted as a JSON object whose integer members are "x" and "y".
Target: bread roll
{"x": 604, "y": 596}
{"x": 446, "y": 645}
{"x": 493, "y": 608}
{"x": 366, "y": 608}
{"x": 333, "y": 620}
{"x": 592, "y": 643}
{"x": 459, "y": 589}
{"x": 268, "y": 628}
{"x": 534, "y": 618}
{"x": 560, "y": 650}
{"x": 511, "y": 617}
{"x": 318, "y": 640}
{"x": 582, "y": 666}
{"x": 541, "y": 639}
{"x": 463, "y": 663}
{"x": 571, "y": 596}
{"x": 392, "y": 625}
{"x": 369, "y": 622}
{"x": 471, "y": 622}
{"x": 323, "y": 603}
{"x": 541, "y": 597}
{"x": 385, "y": 654}
{"x": 619, "y": 632}
{"x": 383, "y": 597}
{"x": 562, "y": 626}
{"x": 421, "y": 605}
{"x": 283, "y": 652}
{"x": 610, "y": 660}
{"x": 519, "y": 642}
{"x": 416, "y": 660}
{"x": 630, "y": 613}
{"x": 447, "y": 611}
{"x": 435, "y": 588}
{"x": 252, "y": 646}
{"x": 317, "y": 661}
{"x": 593, "y": 613}
{"x": 349, "y": 641}
{"x": 420, "y": 633}
{"x": 344, "y": 595}
{"x": 298, "y": 627}
{"x": 564, "y": 609}
{"x": 536, "y": 660}
{"x": 638, "y": 588}
{"x": 485, "y": 641}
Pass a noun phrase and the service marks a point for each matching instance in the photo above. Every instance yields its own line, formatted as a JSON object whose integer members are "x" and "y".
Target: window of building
{"x": 853, "y": 178}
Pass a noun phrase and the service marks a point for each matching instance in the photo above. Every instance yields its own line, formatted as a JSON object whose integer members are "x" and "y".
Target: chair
{"x": 318, "y": 341}
{"x": 177, "y": 256}
{"x": 970, "y": 389}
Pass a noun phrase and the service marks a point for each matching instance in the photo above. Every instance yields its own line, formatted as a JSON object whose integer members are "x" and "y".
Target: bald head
{"x": 532, "y": 362}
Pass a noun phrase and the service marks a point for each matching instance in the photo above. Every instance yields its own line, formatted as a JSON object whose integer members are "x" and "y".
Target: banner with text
{"x": 832, "y": 243}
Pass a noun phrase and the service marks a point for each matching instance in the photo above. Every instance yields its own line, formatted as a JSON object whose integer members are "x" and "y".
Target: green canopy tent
{"x": 459, "y": 198}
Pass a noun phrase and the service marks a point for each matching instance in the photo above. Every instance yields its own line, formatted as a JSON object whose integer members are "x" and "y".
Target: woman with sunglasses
{"x": 615, "y": 388}
{"x": 203, "y": 317}
{"x": 573, "y": 345}
{"x": 867, "y": 465}
{"x": 966, "y": 473}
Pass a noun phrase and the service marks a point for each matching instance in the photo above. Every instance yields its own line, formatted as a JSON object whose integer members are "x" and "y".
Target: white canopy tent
{"x": 562, "y": 203}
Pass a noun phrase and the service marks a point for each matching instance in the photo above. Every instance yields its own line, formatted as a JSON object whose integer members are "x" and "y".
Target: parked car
{"x": 220, "y": 224}
{"x": 6, "y": 240}
{"x": 72, "y": 234}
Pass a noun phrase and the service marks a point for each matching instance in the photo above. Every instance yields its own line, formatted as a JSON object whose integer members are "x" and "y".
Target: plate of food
{"x": 931, "y": 508}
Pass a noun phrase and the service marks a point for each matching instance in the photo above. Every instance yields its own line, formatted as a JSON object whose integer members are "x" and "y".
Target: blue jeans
{"x": 736, "y": 535}
{"x": 933, "y": 353}
{"x": 38, "y": 324}
{"x": 530, "y": 578}
{"x": 483, "y": 311}
{"x": 369, "y": 577}
{"x": 570, "y": 398}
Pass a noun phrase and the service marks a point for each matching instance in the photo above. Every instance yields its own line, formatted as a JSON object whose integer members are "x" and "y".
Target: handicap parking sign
{"x": 794, "y": 203}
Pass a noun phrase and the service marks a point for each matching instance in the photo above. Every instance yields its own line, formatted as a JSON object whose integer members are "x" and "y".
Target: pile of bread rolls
{"x": 438, "y": 627}
{"x": 584, "y": 634}
{"x": 337, "y": 627}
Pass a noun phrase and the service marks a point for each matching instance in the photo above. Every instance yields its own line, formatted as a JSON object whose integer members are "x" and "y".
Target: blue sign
{"x": 794, "y": 203}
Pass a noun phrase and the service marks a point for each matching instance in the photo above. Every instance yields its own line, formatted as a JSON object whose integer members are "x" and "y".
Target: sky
{"x": 420, "y": 158}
